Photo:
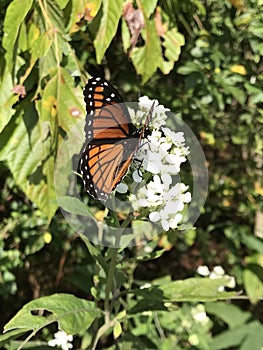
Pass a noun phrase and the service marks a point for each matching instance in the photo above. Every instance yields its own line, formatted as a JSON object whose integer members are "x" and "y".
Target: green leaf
{"x": 55, "y": 16}
{"x": 117, "y": 330}
{"x": 173, "y": 41}
{"x": 232, "y": 315}
{"x": 148, "y": 6}
{"x": 188, "y": 68}
{"x": 236, "y": 92}
{"x": 253, "y": 284}
{"x": 200, "y": 7}
{"x": 95, "y": 253}
{"x": 62, "y": 104}
{"x": 252, "y": 243}
{"x": 41, "y": 46}
{"x": 7, "y": 99}
{"x": 62, "y": 3}
{"x": 191, "y": 289}
{"x": 125, "y": 34}
{"x": 247, "y": 334}
{"x": 112, "y": 10}
{"x": 15, "y": 15}
{"x": 74, "y": 206}
{"x": 27, "y": 149}
{"x": 148, "y": 58}
{"x": 73, "y": 315}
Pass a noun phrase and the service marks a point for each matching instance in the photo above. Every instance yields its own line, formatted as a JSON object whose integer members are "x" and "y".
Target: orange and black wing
{"x": 111, "y": 139}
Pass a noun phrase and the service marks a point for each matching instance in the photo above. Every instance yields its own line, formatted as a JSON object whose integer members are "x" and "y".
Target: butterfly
{"x": 111, "y": 138}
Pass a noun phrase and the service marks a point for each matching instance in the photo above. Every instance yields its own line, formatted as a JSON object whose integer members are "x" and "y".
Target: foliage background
{"x": 203, "y": 60}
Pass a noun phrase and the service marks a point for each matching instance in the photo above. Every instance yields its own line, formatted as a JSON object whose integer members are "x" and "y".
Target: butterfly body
{"x": 111, "y": 139}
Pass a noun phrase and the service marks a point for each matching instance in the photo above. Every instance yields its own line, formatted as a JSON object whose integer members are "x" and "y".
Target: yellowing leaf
{"x": 207, "y": 137}
{"x": 258, "y": 188}
{"x": 47, "y": 237}
{"x": 226, "y": 203}
{"x": 238, "y": 68}
{"x": 91, "y": 9}
{"x": 99, "y": 215}
{"x": 50, "y": 105}
{"x": 238, "y": 4}
{"x": 117, "y": 330}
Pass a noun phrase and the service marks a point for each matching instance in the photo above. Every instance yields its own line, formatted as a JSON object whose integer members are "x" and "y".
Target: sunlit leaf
{"x": 112, "y": 10}
{"x": 15, "y": 15}
{"x": 74, "y": 315}
{"x": 147, "y": 59}
{"x": 148, "y": 6}
{"x": 7, "y": 99}
{"x": 62, "y": 3}
{"x": 29, "y": 157}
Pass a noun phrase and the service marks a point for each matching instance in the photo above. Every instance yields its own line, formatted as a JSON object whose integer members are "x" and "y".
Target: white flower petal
{"x": 165, "y": 225}
{"x": 154, "y": 216}
{"x": 203, "y": 270}
{"x": 137, "y": 176}
{"x": 122, "y": 188}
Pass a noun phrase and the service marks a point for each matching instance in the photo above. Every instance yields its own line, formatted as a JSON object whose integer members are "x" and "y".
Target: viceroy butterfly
{"x": 111, "y": 138}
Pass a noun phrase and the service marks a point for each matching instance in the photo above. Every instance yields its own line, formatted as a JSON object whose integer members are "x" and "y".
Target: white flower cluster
{"x": 62, "y": 340}
{"x": 161, "y": 155}
{"x": 217, "y": 272}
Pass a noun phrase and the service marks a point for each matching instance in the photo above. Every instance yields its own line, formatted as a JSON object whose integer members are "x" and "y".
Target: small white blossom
{"x": 122, "y": 188}
{"x": 62, "y": 340}
{"x": 137, "y": 176}
{"x": 193, "y": 339}
{"x": 218, "y": 272}
{"x": 161, "y": 155}
{"x": 146, "y": 285}
{"x": 199, "y": 314}
{"x": 203, "y": 271}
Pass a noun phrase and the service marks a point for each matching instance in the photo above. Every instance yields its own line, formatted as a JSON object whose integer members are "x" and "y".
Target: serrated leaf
{"x": 148, "y": 58}
{"x": 15, "y": 15}
{"x": 41, "y": 46}
{"x": 28, "y": 153}
{"x": 173, "y": 41}
{"x": 55, "y": 15}
{"x": 61, "y": 102}
{"x": 112, "y": 10}
{"x": 73, "y": 315}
